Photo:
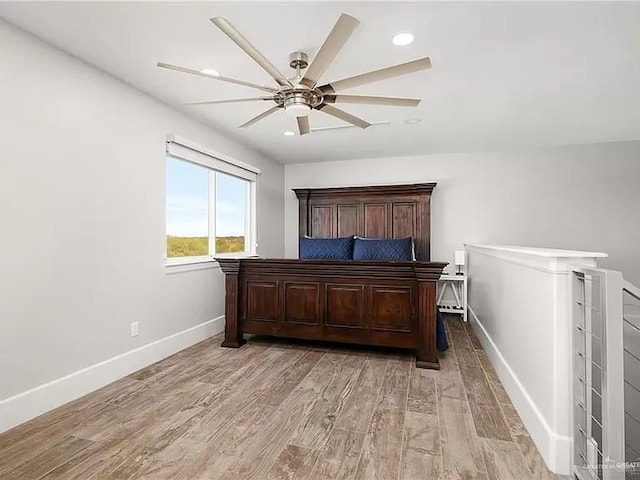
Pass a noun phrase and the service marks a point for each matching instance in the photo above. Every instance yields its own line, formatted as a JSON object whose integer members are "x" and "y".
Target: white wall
{"x": 580, "y": 197}
{"x": 82, "y": 178}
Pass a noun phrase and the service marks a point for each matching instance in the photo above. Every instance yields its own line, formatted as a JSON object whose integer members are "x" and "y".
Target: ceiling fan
{"x": 300, "y": 94}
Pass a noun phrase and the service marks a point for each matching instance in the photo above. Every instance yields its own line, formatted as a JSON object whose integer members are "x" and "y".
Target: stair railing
{"x": 598, "y": 374}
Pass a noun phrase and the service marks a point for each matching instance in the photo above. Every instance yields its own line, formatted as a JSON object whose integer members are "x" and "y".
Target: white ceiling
{"x": 505, "y": 75}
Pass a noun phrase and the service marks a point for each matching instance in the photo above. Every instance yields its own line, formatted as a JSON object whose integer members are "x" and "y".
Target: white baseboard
{"x": 555, "y": 449}
{"x": 27, "y": 405}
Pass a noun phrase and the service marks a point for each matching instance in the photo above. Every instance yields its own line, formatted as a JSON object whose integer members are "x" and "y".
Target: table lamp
{"x": 459, "y": 261}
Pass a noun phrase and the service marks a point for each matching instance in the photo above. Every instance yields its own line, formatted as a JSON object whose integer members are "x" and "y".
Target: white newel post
{"x": 519, "y": 299}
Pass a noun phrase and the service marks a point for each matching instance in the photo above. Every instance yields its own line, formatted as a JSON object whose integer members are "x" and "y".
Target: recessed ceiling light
{"x": 289, "y": 133}
{"x": 402, "y": 39}
{"x": 210, "y": 71}
{"x": 413, "y": 121}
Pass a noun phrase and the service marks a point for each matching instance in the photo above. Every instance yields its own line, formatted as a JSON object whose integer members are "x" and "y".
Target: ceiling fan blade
{"x": 342, "y": 30}
{"x": 228, "y": 29}
{"x": 303, "y": 125}
{"x": 257, "y": 118}
{"x": 235, "y": 100}
{"x": 215, "y": 77}
{"x": 341, "y": 127}
{"x": 342, "y": 115}
{"x": 366, "y": 100}
{"x": 377, "y": 75}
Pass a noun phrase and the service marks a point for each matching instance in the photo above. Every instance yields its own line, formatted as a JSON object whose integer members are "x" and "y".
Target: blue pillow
{"x": 326, "y": 248}
{"x": 395, "y": 249}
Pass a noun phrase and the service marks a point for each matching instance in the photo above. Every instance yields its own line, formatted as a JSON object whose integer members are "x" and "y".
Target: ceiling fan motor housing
{"x": 298, "y": 101}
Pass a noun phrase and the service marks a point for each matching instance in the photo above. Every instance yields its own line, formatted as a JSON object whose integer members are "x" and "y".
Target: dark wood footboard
{"x": 391, "y": 304}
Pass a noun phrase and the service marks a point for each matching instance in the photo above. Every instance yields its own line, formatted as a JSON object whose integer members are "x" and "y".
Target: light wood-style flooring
{"x": 286, "y": 410}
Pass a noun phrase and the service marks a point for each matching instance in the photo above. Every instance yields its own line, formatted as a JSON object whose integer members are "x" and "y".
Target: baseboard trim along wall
{"x": 554, "y": 448}
{"x": 27, "y": 405}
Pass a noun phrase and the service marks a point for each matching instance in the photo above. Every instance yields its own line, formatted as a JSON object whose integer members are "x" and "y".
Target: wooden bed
{"x": 390, "y": 304}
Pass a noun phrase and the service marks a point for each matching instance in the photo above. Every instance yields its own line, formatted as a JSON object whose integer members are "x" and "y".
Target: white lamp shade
{"x": 459, "y": 257}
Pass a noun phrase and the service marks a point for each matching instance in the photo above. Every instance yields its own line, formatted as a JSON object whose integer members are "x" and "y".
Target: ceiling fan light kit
{"x": 300, "y": 94}
{"x": 295, "y": 109}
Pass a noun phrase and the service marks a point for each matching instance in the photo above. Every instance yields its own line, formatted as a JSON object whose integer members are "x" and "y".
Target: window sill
{"x": 179, "y": 265}
{"x": 236, "y": 255}
{"x": 189, "y": 264}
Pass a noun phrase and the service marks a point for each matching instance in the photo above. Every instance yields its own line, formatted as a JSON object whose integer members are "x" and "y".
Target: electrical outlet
{"x": 135, "y": 329}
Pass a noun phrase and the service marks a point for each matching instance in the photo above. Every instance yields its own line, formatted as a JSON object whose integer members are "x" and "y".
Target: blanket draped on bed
{"x": 441, "y": 335}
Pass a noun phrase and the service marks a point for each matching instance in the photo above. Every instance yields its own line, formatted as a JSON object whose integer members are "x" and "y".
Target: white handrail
{"x": 631, "y": 289}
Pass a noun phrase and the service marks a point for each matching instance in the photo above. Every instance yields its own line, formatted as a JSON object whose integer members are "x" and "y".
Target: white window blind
{"x": 191, "y": 152}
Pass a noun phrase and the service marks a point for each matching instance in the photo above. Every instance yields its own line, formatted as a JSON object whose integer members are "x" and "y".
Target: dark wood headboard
{"x": 383, "y": 211}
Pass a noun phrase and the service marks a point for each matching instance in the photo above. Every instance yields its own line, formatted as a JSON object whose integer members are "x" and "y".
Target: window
{"x": 210, "y": 205}
{"x": 187, "y": 209}
{"x": 231, "y": 213}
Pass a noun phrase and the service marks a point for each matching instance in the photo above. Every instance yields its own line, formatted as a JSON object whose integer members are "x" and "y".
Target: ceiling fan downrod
{"x": 298, "y": 61}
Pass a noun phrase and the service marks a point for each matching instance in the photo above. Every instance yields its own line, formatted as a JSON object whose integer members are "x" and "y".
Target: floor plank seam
{"x": 466, "y": 396}
{"x": 303, "y": 417}
{"x": 404, "y": 422}
{"x": 440, "y": 446}
{"x": 373, "y": 410}
{"x": 333, "y": 427}
{"x": 56, "y": 465}
{"x": 500, "y": 405}
{"x": 504, "y": 416}
{"x": 304, "y": 377}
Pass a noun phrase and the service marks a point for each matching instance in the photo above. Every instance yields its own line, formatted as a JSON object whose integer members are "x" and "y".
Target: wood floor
{"x": 279, "y": 410}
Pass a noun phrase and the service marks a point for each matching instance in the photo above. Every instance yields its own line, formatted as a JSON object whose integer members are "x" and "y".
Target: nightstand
{"x": 456, "y": 302}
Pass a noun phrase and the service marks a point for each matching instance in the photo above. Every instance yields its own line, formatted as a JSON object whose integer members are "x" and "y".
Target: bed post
{"x": 427, "y": 276}
{"x": 233, "y": 337}
{"x": 303, "y": 210}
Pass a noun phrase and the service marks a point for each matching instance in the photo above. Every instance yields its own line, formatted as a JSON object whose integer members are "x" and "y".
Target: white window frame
{"x": 190, "y": 152}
